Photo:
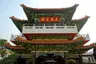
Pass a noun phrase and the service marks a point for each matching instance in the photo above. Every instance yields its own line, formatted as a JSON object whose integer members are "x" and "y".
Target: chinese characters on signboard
{"x": 50, "y": 19}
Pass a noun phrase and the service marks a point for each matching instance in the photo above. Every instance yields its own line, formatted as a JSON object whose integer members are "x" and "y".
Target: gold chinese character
{"x": 47, "y": 19}
{"x": 52, "y": 19}
{"x": 56, "y": 19}
{"x": 42, "y": 19}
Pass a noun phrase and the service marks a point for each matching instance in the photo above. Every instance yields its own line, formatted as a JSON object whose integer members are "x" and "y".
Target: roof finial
{"x": 11, "y": 17}
{"x": 76, "y": 5}
{"x": 22, "y": 5}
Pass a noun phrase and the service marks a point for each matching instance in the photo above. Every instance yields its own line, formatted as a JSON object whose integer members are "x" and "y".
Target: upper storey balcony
{"x": 49, "y": 29}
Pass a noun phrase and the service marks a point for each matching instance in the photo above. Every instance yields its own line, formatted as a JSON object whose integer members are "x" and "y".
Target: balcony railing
{"x": 49, "y": 29}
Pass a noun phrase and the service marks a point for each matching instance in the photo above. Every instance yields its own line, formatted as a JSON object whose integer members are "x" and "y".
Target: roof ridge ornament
{"x": 76, "y": 5}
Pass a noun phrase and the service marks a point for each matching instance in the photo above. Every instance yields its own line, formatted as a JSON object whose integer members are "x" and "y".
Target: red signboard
{"x": 50, "y": 19}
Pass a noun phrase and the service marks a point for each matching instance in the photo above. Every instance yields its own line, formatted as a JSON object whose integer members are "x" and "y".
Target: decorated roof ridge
{"x": 47, "y": 41}
{"x": 86, "y": 47}
{"x": 84, "y": 42}
{"x": 83, "y": 18}
{"x": 93, "y": 44}
{"x": 15, "y": 42}
{"x": 13, "y": 47}
{"x": 14, "y": 18}
{"x": 22, "y": 5}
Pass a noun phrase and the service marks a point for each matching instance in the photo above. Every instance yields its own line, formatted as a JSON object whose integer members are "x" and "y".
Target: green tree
{"x": 2, "y": 50}
{"x": 9, "y": 60}
{"x": 2, "y": 42}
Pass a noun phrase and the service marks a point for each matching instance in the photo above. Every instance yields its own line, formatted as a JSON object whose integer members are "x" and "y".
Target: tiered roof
{"x": 73, "y": 44}
{"x": 68, "y": 13}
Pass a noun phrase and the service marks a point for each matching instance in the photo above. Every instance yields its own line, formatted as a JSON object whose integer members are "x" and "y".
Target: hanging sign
{"x": 50, "y": 19}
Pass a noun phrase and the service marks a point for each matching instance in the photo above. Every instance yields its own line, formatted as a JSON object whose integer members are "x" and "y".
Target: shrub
{"x": 71, "y": 61}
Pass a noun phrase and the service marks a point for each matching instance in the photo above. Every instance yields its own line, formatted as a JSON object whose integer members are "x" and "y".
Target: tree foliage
{"x": 9, "y": 60}
{"x": 2, "y": 42}
{"x": 2, "y": 50}
{"x": 71, "y": 61}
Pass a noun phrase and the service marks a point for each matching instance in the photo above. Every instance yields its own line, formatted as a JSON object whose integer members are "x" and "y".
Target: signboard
{"x": 50, "y": 19}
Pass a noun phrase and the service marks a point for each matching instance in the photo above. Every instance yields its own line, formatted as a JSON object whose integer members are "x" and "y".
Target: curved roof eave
{"x": 80, "y": 22}
{"x": 18, "y": 22}
{"x": 13, "y": 47}
{"x": 86, "y": 47}
{"x": 51, "y": 9}
{"x": 28, "y": 10}
{"x": 37, "y": 42}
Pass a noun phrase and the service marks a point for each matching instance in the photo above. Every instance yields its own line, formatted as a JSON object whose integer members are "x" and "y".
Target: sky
{"x": 10, "y": 8}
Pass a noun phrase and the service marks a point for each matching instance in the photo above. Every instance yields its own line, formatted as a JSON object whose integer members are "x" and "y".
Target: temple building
{"x": 50, "y": 30}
